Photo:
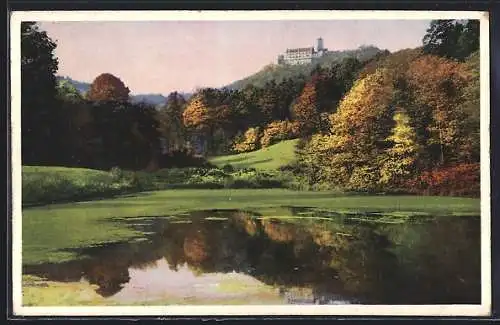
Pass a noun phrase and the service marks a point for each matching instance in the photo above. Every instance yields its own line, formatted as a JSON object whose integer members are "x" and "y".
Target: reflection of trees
{"x": 195, "y": 245}
{"x": 328, "y": 258}
{"x": 442, "y": 253}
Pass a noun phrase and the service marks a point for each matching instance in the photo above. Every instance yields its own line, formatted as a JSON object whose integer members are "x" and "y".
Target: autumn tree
{"x": 249, "y": 141}
{"x": 358, "y": 130}
{"x": 305, "y": 110}
{"x": 277, "y": 131}
{"x": 208, "y": 119}
{"x": 107, "y": 87}
{"x": 397, "y": 165}
{"x": 438, "y": 85}
{"x": 196, "y": 116}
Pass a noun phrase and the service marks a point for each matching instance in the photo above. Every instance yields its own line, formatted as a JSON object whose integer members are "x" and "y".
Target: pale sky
{"x": 165, "y": 56}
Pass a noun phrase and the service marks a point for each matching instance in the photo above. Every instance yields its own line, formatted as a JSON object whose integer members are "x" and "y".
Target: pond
{"x": 313, "y": 257}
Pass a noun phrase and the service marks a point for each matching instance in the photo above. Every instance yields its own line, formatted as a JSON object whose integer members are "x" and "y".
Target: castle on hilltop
{"x": 303, "y": 55}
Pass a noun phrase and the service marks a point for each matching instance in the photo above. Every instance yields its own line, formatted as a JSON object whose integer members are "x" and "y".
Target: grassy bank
{"x": 272, "y": 157}
{"x": 46, "y": 185}
{"x": 51, "y": 231}
{"x": 42, "y": 185}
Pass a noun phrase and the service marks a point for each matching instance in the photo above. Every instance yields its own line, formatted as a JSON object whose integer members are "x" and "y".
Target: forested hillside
{"x": 368, "y": 120}
{"x": 280, "y": 73}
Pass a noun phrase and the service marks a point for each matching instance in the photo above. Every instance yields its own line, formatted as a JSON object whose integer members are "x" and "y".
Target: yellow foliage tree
{"x": 361, "y": 123}
{"x": 196, "y": 115}
{"x": 249, "y": 141}
{"x": 278, "y": 131}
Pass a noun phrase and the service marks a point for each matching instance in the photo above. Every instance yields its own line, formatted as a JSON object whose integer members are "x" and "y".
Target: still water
{"x": 316, "y": 257}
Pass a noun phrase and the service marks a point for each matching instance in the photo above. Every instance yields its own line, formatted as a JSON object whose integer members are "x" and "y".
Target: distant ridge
{"x": 153, "y": 99}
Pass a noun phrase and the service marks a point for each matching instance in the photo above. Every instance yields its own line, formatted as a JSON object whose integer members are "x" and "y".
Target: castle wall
{"x": 303, "y": 55}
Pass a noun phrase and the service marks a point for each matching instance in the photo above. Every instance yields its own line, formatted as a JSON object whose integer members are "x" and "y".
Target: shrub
{"x": 228, "y": 168}
{"x": 364, "y": 179}
{"x": 278, "y": 131}
{"x": 249, "y": 141}
{"x": 459, "y": 180}
{"x": 51, "y": 184}
{"x": 116, "y": 173}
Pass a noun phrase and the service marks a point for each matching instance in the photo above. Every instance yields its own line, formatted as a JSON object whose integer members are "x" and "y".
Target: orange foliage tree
{"x": 305, "y": 110}
{"x": 438, "y": 86}
{"x": 107, "y": 87}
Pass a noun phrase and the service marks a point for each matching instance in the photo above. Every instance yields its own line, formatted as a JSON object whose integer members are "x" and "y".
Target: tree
{"x": 452, "y": 39}
{"x": 39, "y": 110}
{"x": 171, "y": 125}
{"x": 305, "y": 110}
{"x": 331, "y": 84}
{"x": 471, "y": 108}
{"x": 277, "y": 131}
{"x": 198, "y": 120}
{"x": 67, "y": 92}
{"x": 268, "y": 102}
{"x": 468, "y": 42}
{"x": 248, "y": 141}
{"x": 107, "y": 87}
{"x": 76, "y": 118}
{"x": 401, "y": 157}
{"x": 123, "y": 134}
{"x": 438, "y": 85}
{"x": 441, "y": 38}
{"x": 196, "y": 115}
{"x": 347, "y": 157}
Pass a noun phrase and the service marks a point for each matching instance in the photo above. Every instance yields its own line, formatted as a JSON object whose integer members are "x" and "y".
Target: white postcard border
{"x": 362, "y": 310}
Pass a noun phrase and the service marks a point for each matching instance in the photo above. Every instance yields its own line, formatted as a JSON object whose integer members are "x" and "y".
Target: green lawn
{"x": 73, "y": 173}
{"x": 50, "y": 229}
{"x": 271, "y": 157}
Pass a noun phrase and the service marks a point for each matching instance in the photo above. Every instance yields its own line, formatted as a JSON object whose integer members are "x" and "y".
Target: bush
{"x": 116, "y": 173}
{"x": 459, "y": 180}
{"x": 364, "y": 179}
{"x": 54, "y": 184}
{"x": 228, "y": 168}
{"x": 249, "y": 141}
{"x": 278, "y": 131}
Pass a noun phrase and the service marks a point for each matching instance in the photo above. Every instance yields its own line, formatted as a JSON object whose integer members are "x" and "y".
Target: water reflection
{"x": 301, "y": 261}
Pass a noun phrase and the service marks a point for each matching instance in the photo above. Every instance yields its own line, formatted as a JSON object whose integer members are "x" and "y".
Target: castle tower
{"x": 319, "y": 46}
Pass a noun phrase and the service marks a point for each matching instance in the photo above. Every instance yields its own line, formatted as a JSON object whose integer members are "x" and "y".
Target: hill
{"x": 153, "y": 99}
{"x": 271, "y": 157}
{"x": 279, "y": 73}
